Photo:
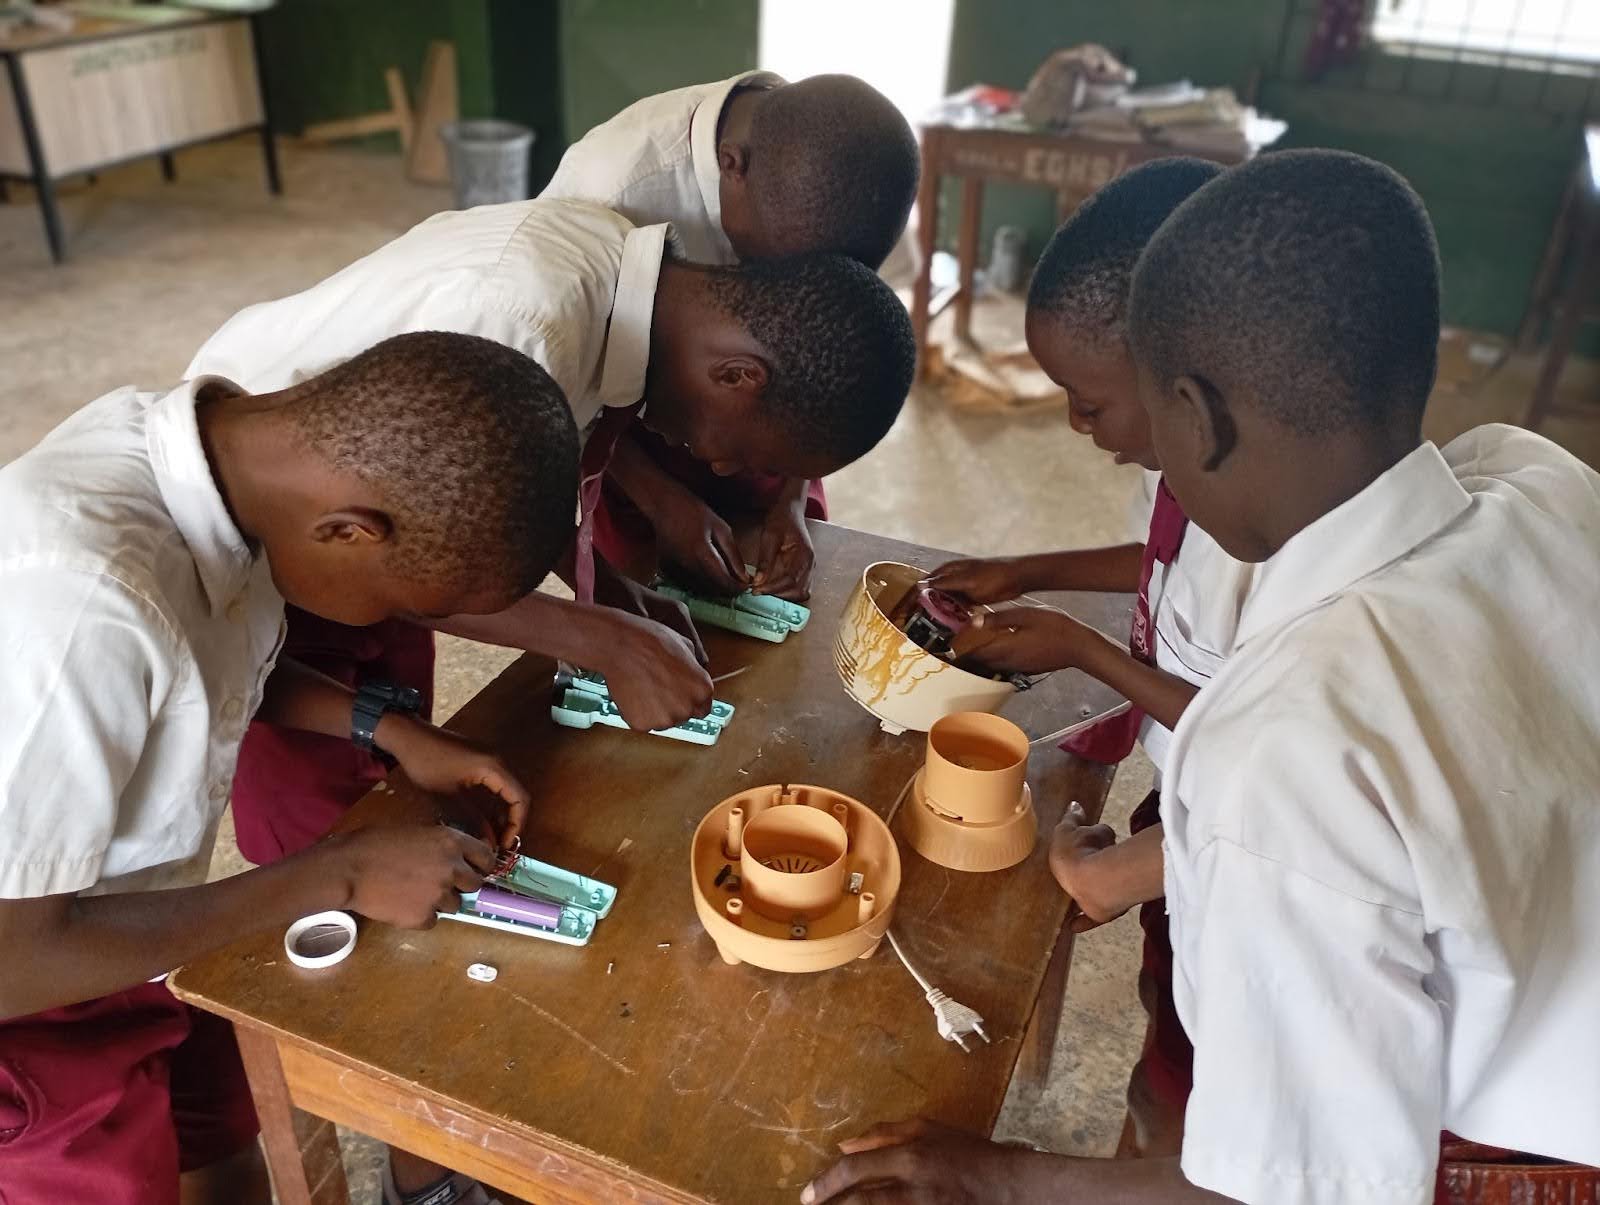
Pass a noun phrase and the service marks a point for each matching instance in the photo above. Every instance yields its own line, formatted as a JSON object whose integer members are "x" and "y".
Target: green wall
{"x": 1490, "y": 173}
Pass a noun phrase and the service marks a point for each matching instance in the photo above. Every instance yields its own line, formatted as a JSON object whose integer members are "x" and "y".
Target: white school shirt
{"x": 136, "y": 632}
{"x": 570, "y": 285}
{"x": 1195, "y": 602}
{"x": 656, "y": 161}
{"x": 1383, "y": 838}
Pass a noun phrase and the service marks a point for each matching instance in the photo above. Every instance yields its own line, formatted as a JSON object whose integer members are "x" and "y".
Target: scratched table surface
{"x": 665, "y": 1074}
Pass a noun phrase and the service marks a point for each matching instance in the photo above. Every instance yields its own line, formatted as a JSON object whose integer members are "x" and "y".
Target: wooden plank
{"x": 302, "y": 1151}
{"x": 113, "y": 99}
{"x": 401, "y": 1115}
{"x": 437, "y": 103}
{"x": 719, "y": 1083}
{"x": 399, "y": 105}
{"x": 967, "y": 252}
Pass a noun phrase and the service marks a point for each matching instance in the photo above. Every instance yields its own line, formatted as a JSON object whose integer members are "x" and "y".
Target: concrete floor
{"x": 155, "y": 268}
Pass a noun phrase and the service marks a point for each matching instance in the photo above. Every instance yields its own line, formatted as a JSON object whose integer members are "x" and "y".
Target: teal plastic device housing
{"x": 757, "y": 615}
{"x": 583, "y": 700}
{"x": 584, "y": 901}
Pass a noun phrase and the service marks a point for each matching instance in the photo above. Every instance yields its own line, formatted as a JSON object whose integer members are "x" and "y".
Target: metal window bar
{"x": 1469, "y": 52}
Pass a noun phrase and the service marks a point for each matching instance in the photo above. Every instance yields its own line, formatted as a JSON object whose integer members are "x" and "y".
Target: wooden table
{"x": 110, "y": 91}
{"x": 673, "y": 1077}
{"x": 1071, "y": 165}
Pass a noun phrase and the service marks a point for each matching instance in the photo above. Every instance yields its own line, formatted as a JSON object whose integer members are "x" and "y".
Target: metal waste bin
{"x": 488, "y": 161}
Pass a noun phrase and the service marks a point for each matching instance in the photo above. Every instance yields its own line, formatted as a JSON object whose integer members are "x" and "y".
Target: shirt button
{"x": 233, "y": 708}
{"x": 219, "y": 791}
{"x": 236, "y": 610}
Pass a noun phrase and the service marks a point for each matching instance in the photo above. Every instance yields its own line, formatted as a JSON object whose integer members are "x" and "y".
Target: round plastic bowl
{"x": 906, "y": 687}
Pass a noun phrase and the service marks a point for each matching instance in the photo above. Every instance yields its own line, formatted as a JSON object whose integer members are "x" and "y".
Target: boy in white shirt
{"x": 1382, "y": 846}
{"x": 796, "y": 366}
{"x": 754, "y": 167}
{"x": 150, "y": 544}
{"x": 1188, "y": 597}
{"x": 748, "y": 167}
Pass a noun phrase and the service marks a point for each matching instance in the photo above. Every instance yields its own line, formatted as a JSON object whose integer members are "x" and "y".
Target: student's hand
{"x": 698, "y": 545}
{"x": 1073, "y": 846}
{"x": 924, "y": 1163}
{"x": 983, "y": 580}
{"x": 1023, "y": 640}
{"x": 403, "y": 874}
{"x": 655, "y": 676}
{"x": 438, "y": 760}
{"x": 612, "y": 589}
{"x": 785, "y": 557}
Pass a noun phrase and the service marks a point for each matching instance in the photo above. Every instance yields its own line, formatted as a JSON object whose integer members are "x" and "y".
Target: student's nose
{"x": 1083, "y": 424}
{"x": 726, "y": 468}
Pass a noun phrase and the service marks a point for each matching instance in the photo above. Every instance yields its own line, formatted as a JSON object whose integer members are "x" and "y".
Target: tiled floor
{"x": 155, "y": 268}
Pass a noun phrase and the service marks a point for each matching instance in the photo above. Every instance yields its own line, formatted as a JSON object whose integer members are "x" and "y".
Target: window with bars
{"x": 1529, "y": 54}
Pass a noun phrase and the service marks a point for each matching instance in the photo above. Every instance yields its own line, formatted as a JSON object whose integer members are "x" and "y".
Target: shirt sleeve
{"x": 88, "y": 665}
{"x": 1318, "y": 1053}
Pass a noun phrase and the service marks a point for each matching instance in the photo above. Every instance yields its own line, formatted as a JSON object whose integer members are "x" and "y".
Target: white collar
{"x": 183, "y": 475}
{"x": 627, "y": 353}
{"x": 703, "y": 137}
{"x": 1411, "y": 502}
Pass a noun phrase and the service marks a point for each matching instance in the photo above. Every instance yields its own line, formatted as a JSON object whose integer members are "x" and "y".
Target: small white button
{"x": 233, "y": 708}
{"x": 219, "y": 791}
{"x": 482, "y": 972}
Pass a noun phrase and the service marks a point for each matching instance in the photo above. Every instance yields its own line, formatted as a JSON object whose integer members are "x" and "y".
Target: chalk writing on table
{"x": 1055, "y": 166}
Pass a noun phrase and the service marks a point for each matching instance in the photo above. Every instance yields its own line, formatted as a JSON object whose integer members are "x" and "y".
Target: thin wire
{"x": 906, "y": 962}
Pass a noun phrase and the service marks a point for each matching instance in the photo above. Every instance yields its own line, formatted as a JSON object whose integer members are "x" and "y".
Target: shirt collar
{"x": 627, "y": 353}
{"x": 183, "y": 475}
{"x": 703, "y": 138}
{"x": 1412, "y": 501}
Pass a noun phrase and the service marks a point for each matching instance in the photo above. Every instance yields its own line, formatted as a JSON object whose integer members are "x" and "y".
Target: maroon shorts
{"x": 109, "y": 1100}
{"x": 623, "y": 534}
{"x": 291, "y": 787}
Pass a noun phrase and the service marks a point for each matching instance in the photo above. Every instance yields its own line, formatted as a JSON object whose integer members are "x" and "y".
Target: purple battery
{"x": 506, "y": 905}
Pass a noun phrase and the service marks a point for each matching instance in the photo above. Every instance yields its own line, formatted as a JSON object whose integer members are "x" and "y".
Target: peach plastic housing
{"x": 905, "y": 686}
{"x": 774, "y": 873}
{"x": 970, "y": 807}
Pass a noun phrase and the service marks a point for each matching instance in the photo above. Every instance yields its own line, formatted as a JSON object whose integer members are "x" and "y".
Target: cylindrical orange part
{"x": 792, "y": 862}
{"x": 976, "y": 766}
{"x": 731, "y": 843}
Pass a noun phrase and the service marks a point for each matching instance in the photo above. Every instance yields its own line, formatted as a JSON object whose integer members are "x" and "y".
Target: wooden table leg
{"x": 967, "y": 250}
{"x": 1039, "y": 1042}
{"x": 1570, "y": 317}
{"x": 302, "y": 1150}
{"x": 927, "y": 239}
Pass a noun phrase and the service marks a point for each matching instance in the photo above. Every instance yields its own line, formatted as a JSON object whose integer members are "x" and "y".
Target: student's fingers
{"x": 887, "y": 1133}
{"x": 874, "y": 1169}
{"x": 987, "y": 628}
{"x": 768, "y": 551}
{"x": 477, "y": 854}
{"x": 787, "y": 576}
{"x": 716, "y": 564}
{"x": 495, "y": 777}
{"x": 727, "y": 550}
{"x": 448, "y": 901}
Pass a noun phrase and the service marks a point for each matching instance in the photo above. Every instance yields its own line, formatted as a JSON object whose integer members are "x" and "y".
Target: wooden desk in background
{"x": 110, "y": 91}
{"x": 676, "y": 1078}
{"x": 1071, "y": 165}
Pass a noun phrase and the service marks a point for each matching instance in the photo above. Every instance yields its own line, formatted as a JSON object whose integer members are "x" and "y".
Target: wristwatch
{"x": 373, "y": 701}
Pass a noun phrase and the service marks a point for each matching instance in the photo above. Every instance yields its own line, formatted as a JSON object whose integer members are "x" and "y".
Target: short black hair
{"x": 1083, "y": 276}
{"x": 833, "y": 167}
{"x": 1310, "y": 279}
{"x": 471, "y": 445}
{"x": 839, "y": 344}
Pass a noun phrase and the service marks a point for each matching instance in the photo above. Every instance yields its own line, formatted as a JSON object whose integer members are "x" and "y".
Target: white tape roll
{"x": 320, "y": 940}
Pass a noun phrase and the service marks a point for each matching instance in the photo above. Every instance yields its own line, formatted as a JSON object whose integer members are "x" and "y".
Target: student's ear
{"x": 745, "y": 374}
{"x": 733, "y": 159}
{"x": 1210, "y": 420}
{"x": 357, "y": 526}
